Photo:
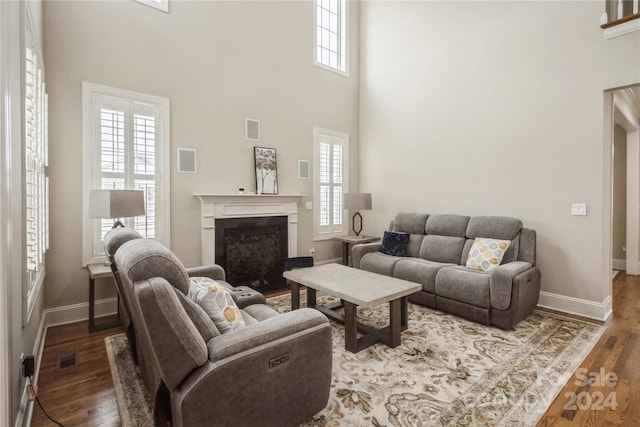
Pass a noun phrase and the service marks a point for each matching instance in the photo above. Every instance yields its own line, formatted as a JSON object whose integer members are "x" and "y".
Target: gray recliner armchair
{"x": 275, "y": 371}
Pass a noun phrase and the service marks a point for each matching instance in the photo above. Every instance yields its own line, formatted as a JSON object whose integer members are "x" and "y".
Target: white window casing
{"x": 35, "y": 152}
{"x": 330, "y": 35}
{"x": 330, "y": 182}
{"x": 125, "y": 146}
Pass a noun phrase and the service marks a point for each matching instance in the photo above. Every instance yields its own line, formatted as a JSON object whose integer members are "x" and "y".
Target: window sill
{"x": 622, "y": 26}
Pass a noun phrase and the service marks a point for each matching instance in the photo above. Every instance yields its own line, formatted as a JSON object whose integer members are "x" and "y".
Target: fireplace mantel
{"x": 215, "y": 206}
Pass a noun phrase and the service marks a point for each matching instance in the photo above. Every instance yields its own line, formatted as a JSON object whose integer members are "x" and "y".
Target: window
{"x": 36, "y": 184}
{"x": 126, "y": 146}
{"x": 330, "y": 35}
{"x": 331, "y": 174}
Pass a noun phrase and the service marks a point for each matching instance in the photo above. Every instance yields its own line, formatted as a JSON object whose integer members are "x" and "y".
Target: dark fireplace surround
{"x": 252, "y": 251}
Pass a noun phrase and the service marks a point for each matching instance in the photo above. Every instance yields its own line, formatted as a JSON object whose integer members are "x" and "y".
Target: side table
{"x": 353, "y": 240}
{"x": 97, "y": 271}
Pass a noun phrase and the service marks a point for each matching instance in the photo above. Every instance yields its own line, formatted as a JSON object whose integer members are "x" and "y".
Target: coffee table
{"x": 355, "y": 288}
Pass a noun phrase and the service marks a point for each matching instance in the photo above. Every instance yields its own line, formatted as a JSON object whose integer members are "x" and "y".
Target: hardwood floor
{"x": 83, "y": 395}
{"x": 610, "y": 393}
{"x": 80, "y": 395}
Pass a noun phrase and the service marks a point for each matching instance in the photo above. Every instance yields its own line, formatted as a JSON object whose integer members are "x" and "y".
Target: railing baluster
{"x": 620, "y": 14}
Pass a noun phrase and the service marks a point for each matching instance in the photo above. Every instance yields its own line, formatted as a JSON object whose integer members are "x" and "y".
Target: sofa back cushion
{"x": 142, "y": 259}
{"x": 445, "y": 238}
{"x": 494, "y": 227}
{"x": 414, "y": 224}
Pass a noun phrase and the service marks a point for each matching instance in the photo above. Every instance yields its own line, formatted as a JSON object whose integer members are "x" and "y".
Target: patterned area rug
{"x": 446, "y": 372}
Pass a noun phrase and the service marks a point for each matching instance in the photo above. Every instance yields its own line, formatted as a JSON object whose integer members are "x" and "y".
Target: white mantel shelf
{"x": 222, "y": 206}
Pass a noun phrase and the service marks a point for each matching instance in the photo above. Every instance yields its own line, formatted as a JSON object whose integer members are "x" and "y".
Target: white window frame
{"x": 342, "y": 67}
{"x": 35, "y": 160}
{"x": 342, "y": 138}
{"x": 90, "y": 95}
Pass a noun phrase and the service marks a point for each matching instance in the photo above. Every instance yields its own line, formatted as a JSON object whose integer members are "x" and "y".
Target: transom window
{"x": 330, "y": 35}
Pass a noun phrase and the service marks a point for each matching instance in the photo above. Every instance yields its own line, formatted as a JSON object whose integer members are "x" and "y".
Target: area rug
{"x": 447, "y": 371}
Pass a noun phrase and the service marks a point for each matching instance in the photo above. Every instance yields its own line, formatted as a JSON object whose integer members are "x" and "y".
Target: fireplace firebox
{"x": 252, "y": 251}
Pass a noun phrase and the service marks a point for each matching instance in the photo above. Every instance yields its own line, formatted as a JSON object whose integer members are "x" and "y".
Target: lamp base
{"x": 353, "y": 223}
{"x": 117, "y": 224}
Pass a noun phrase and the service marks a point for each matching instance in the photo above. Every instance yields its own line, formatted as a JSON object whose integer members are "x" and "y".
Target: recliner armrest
{"x": 501, "y": 280}
{"x": 213, "y": 271}
{"x": 264, "y": 332}
{"x": 360, "y": 250}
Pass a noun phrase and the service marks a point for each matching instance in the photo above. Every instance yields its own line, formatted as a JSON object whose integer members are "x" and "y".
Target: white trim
{"x": 621, "y": 29}
{"x": 620, "y": 264}
{"x": 79, "y": 312}
{"x": 581, "y": 307}
{"x": 5, "y": 242}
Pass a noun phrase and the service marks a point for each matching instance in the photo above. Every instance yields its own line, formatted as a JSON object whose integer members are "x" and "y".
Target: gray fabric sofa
{"x": 436, "y": 256}
{"x": 275, "y": 371}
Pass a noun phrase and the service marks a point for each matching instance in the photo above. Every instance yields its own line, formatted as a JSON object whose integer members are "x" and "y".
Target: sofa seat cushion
{"x": 380, "y": 263}
{"x": 419, "y": 270}
{"x": 465, "y": 285}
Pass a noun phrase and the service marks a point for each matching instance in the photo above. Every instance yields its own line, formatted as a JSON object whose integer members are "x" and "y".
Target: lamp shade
{"x": 357, "y": 201}
{"x": 116, "y": 203}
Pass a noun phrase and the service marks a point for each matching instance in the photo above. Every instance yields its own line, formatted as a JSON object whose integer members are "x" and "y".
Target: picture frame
{"x": 266, "y": 167}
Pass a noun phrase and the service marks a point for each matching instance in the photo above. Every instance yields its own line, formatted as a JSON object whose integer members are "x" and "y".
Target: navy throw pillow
{"x": 395, "y": 243}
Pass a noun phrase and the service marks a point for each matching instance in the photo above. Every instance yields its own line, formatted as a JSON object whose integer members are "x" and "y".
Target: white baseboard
{"x": 619, "y": 264}
{"x": 592, "y": 310}
{"x": 78, "y": 312}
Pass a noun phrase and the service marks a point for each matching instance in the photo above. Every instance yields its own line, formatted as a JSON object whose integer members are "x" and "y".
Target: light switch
{"x": 308, "y": 205}
{"x": 578, "y": 209}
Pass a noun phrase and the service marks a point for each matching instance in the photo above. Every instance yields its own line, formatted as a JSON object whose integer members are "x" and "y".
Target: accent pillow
{"x": 486, "y": 254}
{"x": 215, "y": 299}
{"x": 395, "y": 243}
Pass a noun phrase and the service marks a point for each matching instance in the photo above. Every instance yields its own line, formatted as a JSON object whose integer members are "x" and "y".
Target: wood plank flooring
{"x": 83, "y": 395}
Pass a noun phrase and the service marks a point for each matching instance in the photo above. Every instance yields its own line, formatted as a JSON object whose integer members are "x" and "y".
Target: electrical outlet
{"x": 28, "y": 366}
{"x": 312, "y": 251}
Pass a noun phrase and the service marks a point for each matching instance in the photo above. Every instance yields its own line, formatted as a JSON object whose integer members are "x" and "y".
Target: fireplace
{"x": 252, "y": 251}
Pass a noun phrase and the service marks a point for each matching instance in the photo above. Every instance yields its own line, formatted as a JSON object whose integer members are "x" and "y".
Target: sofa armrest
{"x": 360, "y": 250}
{"x": 213, "y": 271}
{"x": 501, "y": 281}
{"x": 264, "y": 332}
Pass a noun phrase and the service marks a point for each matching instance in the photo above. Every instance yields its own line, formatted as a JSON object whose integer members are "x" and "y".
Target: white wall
{"x": 494, "y": 108}
{"x": 218, "y": 62}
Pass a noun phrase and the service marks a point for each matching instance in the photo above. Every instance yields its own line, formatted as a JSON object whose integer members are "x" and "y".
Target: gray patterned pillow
{"x": 395, "y": 243}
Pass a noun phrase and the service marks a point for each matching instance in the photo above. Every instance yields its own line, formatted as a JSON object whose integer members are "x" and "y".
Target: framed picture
{"x": 266, "y": 170}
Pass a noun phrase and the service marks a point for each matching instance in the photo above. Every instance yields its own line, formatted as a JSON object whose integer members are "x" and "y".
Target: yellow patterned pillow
{"x": 216, "y": 301}
{"x": 486, "y": 254}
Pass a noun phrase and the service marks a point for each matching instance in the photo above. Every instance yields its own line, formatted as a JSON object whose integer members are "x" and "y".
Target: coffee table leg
{"x": 295, "y": 295}
{"x": 350, "y": 327}
{"x": 311, "y": 297}
{"x": 395, "y": 326}
{"x": 404, "y": 312}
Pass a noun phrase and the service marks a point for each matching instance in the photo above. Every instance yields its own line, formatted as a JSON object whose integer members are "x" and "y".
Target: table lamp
{"x": 116, "y": 204}
{"x": 357, "y": 202}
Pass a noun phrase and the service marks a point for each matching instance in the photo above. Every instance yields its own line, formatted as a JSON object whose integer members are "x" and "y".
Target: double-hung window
{"x": 330, "y": 35}
{"x": 126, "y": 147}
{"x": 331, "y": 174}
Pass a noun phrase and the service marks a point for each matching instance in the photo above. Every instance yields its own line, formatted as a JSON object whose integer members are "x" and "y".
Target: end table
{"x": 353, "y": 240}
{"x": 97, "y": 271}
